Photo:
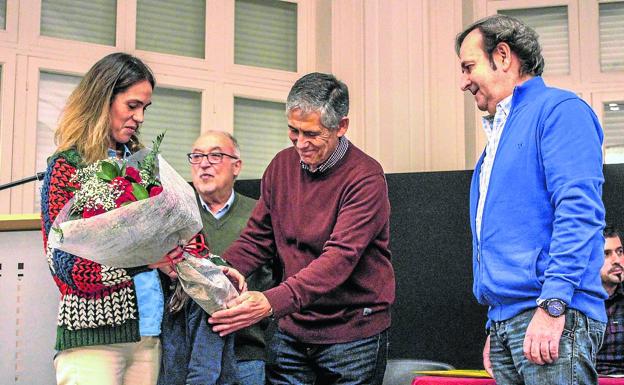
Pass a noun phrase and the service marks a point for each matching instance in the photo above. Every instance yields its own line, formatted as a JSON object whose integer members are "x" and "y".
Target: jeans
{"x": 358, "y": 362}
{"x": 192, "y": 353}
{"x": 251, "y": 372}
{"x": 580, "y": 341}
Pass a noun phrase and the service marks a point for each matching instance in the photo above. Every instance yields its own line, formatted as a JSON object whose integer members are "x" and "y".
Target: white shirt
{"x": 223, "y": 210}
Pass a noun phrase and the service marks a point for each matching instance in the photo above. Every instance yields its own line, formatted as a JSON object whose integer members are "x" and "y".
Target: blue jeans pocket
{"x": 578, "y": 345}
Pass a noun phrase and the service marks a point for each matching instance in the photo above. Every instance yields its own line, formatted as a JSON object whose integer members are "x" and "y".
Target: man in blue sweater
{"x": 536, "y": 211}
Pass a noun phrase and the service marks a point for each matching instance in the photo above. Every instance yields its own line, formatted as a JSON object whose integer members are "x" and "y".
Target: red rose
{"x": 122, "y": 184}
{"x": 133, "y": 174}
{"x": 155, "y": 191}
{"x": 88, "y": 213}
{"x": 125, "y": 197}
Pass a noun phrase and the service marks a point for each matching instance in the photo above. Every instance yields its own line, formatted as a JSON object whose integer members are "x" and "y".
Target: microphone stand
{"x": 37, "y": 176}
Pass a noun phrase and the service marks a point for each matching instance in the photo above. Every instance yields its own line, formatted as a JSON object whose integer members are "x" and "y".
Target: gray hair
{"x": 522, "y": 39}
{"x": 323, "y": 93}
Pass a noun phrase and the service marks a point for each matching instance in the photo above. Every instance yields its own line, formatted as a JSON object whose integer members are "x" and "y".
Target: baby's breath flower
{"x": 94, "y": 192}
{"x": 146, "y": 177}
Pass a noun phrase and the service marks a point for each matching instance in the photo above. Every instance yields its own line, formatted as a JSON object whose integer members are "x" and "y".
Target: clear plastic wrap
{"x": 205, "y": 283}
{"x": 136, "y": 234}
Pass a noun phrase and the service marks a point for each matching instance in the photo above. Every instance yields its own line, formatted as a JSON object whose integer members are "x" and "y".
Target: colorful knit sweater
{"x": 98, "y": 303}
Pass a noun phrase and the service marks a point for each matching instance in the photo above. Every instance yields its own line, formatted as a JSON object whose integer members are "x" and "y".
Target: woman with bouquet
{"x": 109, "y": 318}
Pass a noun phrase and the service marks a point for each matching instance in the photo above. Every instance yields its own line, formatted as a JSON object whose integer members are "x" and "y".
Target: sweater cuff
{"x": 557, "y": 288}
{"x": 281, "y": 300}
{"x": 132, "y": 271}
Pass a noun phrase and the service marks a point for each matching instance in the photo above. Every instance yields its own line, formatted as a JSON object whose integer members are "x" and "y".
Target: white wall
{"x": 29, "y": 300}
{"x": 398, "y": 59}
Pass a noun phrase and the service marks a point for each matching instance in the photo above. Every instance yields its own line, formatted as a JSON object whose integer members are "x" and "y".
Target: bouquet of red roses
{"x": 127, "y": 213}
{"x": 131, "y": 213}
{"x": 109, "y": 184}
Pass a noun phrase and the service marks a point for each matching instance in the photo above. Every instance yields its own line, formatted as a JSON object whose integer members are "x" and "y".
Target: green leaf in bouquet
{"x": 59, "y": 232}
{"x": 108, "y": 171}
{"x": 149, "y": 162}
{"x": 75, "y": 214}
{"x": 217, "y": 260}
{"x": 139, "y": 191}
{"x": 122, "y": 172}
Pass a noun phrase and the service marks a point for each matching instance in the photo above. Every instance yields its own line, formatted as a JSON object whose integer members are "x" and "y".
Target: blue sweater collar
{"x": 527, "y": 91}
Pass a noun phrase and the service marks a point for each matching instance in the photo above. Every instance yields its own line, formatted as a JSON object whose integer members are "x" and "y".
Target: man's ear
{"x": 502, "y": 51}
{"x": 343, "y": 126}
{"x": 236, "y": 167}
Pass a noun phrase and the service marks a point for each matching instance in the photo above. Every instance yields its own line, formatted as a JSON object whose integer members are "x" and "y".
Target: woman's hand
{"x": 170, "y": 271}
{"x": 168, "y": 262}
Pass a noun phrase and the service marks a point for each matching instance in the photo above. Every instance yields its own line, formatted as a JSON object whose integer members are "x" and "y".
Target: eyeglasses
{"x": 213, "y": 157}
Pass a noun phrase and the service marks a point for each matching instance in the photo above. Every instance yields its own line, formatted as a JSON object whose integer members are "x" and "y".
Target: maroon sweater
{"x": 331, "y": 234}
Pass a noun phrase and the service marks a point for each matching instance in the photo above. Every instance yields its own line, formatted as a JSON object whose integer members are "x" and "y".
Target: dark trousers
{"x": 358, "y": 362}
{"x": 192, "y": 353}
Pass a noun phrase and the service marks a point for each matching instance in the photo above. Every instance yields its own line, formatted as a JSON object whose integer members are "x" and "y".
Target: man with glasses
{"x": 215, "y": 163}
{"x": 610, "y": 358}
{"x": 324, "y": 211}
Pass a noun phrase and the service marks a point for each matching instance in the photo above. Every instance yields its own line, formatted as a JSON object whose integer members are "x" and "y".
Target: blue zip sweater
{"x": 541, "y": 232}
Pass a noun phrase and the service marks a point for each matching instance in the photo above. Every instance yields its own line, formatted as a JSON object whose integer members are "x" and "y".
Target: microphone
{"x": 37, "y": 176}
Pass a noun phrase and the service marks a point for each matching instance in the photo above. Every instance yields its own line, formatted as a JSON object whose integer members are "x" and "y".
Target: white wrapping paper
{"x": 136, "y": 234}
{"x": 204, "y": 282}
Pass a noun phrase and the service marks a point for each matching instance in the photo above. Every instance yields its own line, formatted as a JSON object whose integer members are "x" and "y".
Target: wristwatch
{"x": 554, "y": 307}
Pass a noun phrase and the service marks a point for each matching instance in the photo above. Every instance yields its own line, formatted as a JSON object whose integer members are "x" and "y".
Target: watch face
{"x": 555, "y": 308}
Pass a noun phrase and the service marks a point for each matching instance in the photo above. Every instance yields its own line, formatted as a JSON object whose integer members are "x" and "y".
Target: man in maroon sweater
{"x": 324, "y": 210}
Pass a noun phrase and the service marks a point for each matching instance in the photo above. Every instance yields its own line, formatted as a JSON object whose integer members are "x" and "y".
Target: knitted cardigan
{"x": 98, "y": 303}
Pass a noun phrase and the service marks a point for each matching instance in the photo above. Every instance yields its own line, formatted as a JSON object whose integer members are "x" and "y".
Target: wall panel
{"x": 398, "y": 60}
